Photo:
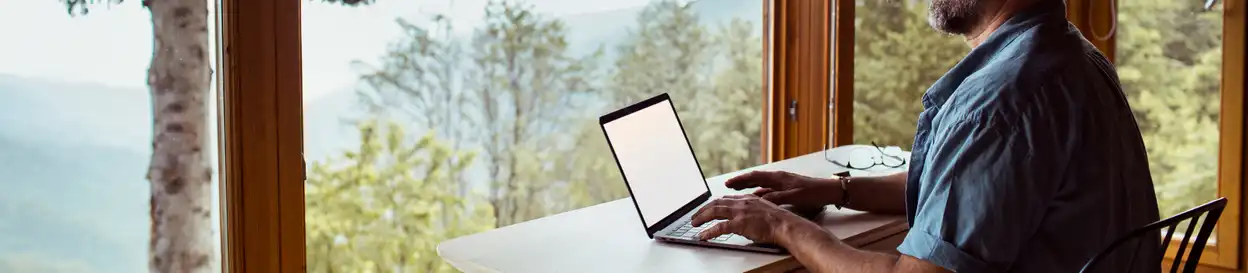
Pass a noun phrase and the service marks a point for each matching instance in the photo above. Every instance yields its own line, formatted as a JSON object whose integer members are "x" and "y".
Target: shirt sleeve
{"x": 983, "y": 193}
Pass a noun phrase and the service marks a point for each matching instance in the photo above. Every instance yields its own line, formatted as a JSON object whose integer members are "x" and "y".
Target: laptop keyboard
{"x": 689, "y": 232}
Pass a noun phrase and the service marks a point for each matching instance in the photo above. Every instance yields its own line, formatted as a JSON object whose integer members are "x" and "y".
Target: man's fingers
{"x": 715, "y": 210}
{"x": 718, "y": 229}
{"x": 753, "y": 179}
{"x": 709, "y": 213}
{"x": 762, "y": 191}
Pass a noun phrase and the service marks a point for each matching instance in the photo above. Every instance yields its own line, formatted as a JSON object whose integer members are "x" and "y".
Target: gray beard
{"x": 954, "y": 16}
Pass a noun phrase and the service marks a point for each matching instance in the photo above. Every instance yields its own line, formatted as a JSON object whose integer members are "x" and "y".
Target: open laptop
{"x": 662, "y": 174}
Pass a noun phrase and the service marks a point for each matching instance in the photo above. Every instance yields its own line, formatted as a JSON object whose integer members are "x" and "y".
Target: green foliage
{"x": 1169, "y": 60}
{"x": 525, "y": 87}
{"x": 83, "y": 7}
{"x": 897, "y": 56}
{"x": 385, "y": 206}
{"x": 667, "y": 52}
{"x": 728, "y": 117}
{"x": 720, "y": 105}
{"x": 511, "y": 96}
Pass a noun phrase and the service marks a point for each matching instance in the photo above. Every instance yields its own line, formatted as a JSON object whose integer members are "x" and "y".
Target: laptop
{"x": 662, "y": 174}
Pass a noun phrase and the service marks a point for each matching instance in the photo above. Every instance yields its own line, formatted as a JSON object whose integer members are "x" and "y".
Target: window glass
{"x": 897, "y": 56}
{"x": 429, "y": 120}
{"x": 83, "y": 157}
{"x": 1169, "y": 58}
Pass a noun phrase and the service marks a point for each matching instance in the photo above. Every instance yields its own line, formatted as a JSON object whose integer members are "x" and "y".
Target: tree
{"x": 587, "y": 170}
{"x": 728, "y": 116}
{"x": 665, "y": 53}
{"x": 359, "y": 203}
{"x": 420, "y": 81}
{"x": 713, "y": 78}
{"x": 182, "y": 236}
{"x": 1169, "y": 62}
{"x": 897, "y": 56}
{"x": 509, "y": 95}
{"x": 526, "y": 81}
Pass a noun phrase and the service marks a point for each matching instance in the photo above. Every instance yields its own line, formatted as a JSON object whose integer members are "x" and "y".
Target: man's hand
{"x": 804, "y": 193}
{"x": 749, "y": 216}
{"x": 818, "y": 250}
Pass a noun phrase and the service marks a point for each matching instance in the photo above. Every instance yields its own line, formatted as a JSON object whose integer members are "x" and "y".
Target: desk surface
{"x": 607, "y": 237}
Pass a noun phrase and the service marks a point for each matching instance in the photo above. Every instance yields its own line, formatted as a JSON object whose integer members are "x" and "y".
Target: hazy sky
{"x": 113, "y": 45}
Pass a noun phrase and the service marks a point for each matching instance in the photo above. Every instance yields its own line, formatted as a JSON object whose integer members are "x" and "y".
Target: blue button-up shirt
{"x": 1027, "y": 157}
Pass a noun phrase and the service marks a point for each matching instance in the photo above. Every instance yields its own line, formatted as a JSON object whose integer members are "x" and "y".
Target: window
{"x": 891, "y": 70}
{"x": 430, "y": 120}
{"x": 80, "y": 128}
{"x": 1170, "y": 58}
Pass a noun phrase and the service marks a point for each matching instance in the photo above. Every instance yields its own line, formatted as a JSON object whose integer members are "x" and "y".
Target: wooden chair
{"x": 1212, "y": 211}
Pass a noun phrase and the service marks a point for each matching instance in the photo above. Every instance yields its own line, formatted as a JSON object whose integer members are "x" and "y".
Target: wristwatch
{"x": 844, "y": 193}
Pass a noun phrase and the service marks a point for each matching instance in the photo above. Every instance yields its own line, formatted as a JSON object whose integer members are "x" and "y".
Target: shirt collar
{"x": 1000, "y": 40}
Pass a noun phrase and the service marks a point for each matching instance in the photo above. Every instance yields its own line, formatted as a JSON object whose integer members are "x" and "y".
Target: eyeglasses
{"x": 859, "y": 161}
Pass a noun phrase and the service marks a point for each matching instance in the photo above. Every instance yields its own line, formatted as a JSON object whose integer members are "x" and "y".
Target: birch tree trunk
{"x": 183, "y": 234}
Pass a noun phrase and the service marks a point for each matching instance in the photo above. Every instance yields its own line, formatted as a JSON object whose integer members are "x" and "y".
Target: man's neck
{"x": 996, "y": 17}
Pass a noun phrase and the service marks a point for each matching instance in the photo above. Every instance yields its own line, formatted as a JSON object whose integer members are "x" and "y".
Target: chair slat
{"x": 1165, "y": 243}
{"x": 1191, "y": 227}
{"x": 1194, "y": 256}
{"x": 1211, "y": 212}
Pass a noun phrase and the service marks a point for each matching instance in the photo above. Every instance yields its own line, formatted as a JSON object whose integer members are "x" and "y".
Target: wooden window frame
{"x": 262, "y": 138}
{"x": 799, "y": 47}
{"x": 263, "y": 172}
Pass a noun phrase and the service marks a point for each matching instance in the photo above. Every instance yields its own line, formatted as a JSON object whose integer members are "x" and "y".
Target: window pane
{"x": 428, "y": 120}
{"x": 78, "y": 136}
{"x": 897, "y": 56}
{"x": 1169, "y": 58}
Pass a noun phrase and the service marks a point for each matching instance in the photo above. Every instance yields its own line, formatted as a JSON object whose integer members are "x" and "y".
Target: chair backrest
{"x": 1212, "y": 211}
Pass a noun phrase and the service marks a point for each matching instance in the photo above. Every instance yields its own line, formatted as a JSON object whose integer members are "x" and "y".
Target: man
{"x": 1026, "y": 159}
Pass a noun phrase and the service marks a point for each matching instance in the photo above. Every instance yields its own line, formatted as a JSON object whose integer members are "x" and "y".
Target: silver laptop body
{"x": 657, "y": 163}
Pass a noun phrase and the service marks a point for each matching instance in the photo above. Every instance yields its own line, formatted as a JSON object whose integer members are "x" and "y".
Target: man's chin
{"x": 953, "y": 17}
{"x": 950, "y": 26}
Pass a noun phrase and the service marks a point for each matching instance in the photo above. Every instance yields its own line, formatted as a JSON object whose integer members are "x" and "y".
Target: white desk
{"x": 609, "y": 237}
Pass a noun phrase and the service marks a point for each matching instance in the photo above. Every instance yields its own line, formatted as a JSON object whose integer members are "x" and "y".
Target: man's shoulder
{"x": 1030, "y": 78}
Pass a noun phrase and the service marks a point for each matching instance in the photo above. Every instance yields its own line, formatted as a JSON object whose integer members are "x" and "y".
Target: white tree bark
{"x": 183, "y": 235}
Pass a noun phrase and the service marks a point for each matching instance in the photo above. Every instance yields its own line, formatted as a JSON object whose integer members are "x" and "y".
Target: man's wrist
{"x": 836, "y": 192}
{"x": 794, "y": 230}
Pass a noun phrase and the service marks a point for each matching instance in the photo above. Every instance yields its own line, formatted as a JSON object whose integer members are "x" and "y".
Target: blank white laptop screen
{"x": 656, "y": 160}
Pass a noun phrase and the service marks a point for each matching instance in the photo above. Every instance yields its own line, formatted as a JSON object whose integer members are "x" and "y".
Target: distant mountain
{"x": 74, "y": 204}
{"x": 609, "y": 29}
{"x": 72, "y": 112}
{"x": 73, "y": 158}
{"x": 328, "y": 127}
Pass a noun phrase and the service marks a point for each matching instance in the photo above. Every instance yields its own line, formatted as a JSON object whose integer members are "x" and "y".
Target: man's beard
{"x": 954, "y": 16}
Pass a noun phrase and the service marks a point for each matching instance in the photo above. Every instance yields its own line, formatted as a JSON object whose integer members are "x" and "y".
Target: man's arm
{"x": 819, "y": 251}
{"x": 878, "y": 194}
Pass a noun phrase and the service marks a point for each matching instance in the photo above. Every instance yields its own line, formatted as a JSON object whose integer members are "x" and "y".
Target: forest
{"x": 511, "y": 101}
